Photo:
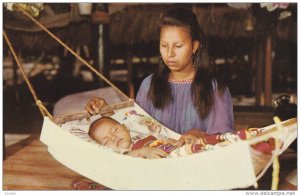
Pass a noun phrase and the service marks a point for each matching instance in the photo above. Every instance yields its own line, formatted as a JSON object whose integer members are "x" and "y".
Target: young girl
{"x": 185, "y": 93}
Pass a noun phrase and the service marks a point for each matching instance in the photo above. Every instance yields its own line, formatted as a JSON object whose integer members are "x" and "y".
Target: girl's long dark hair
{"x": 202, "y": 86}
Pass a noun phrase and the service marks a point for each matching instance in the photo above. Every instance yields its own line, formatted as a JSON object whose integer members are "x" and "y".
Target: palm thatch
{"x": 138, "y": 24}
{"x": 60, "y": 19}
{"x": 71, "y": 34}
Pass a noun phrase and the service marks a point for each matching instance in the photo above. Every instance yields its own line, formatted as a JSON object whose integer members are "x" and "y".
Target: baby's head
{"x": 110, "y": 133}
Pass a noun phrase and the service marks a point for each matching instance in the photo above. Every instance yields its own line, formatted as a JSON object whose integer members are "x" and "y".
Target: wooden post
{"x": 103, "y": 47}
{"x": 106, "y": 45}
{"x": 129, "y": 74}
{"x": 268, "y": 71}
{"x": 101, "y": 51}
{"x": 259, "y": 75}
{"x": 15, "y": 79}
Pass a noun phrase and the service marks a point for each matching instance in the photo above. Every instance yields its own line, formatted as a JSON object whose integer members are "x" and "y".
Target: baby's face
{"x": 111, "y": 134}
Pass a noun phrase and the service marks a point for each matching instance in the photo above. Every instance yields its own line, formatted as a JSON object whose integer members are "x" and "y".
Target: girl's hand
{"x": 170, "y": 141}
{"x": 148, "y": 153}
{"x": 185, "y": 139}
{"x": 190, "y": 137}
{"x": 196, "y": 132}
{"x": 95, "y": 104}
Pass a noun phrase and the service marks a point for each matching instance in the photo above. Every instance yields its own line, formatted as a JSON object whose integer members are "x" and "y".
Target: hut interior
{"x": 253, "y": 44}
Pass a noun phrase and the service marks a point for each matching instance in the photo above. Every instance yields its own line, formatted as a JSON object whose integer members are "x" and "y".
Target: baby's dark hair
{"x": 93, "y": 125}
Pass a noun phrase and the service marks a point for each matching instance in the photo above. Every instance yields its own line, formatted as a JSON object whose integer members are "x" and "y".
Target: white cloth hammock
{"x": 229, "y": 167}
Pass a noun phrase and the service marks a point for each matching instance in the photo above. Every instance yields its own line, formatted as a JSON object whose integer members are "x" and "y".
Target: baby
{"x": 112, "y": 134}
{"x": 109, "y": 132}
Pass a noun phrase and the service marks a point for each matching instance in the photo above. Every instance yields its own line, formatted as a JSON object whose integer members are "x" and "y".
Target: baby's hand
{"x": 95, "y": 104}
{"x": 185, "y": 139}
{"x": 148, "y": 153}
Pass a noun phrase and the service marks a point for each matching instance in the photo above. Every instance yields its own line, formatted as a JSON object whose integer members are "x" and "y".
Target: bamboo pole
{"x": 84, "y": 114}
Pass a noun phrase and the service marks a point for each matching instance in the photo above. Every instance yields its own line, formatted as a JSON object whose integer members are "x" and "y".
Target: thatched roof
{"x": 71, "y": 34}
{"x": 138, "y": 24}
{"x": 60, "y": 19}
{"x": 135, "y": 24}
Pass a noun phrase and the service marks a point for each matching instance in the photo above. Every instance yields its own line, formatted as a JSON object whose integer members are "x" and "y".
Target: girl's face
{"x": 112, "y": 134}
{"x": 177, "y": 48}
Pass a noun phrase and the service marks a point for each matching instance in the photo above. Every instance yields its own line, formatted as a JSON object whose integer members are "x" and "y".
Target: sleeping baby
{"x": 137, "y": 139}
{"x": 143, "y": 136}
{"x": 111, "y": 133}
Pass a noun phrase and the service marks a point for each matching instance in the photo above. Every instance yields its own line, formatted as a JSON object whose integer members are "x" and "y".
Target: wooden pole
{"x": 101, "y": 51}
{"x": 268, "y": 72}
{"x": 15, "y": 80}
{"x": 259, "y": 76}
{"x": 129, "y": 73}
{"x": 103, "y": 44}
